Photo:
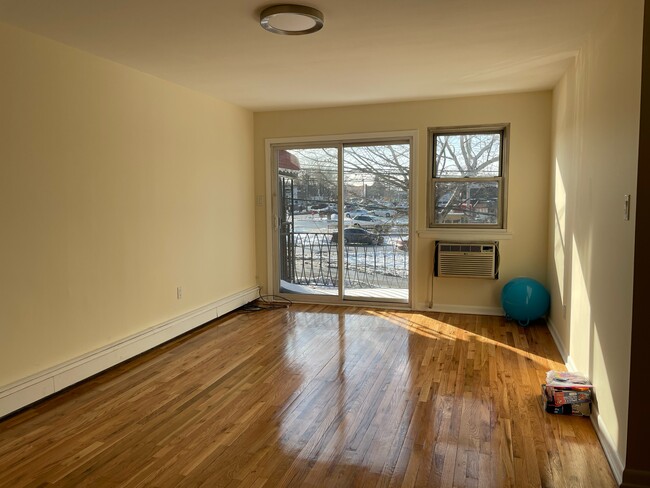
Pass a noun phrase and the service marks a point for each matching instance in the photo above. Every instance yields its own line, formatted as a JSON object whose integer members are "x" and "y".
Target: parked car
{"x": 329, "y": 210}
{"x": 357, "y": 212}
{"x": 356, "y": 235}
{"x": 384, "y": 212}
{"x": 318, "y": 206}
{"x": 369, "y": 221}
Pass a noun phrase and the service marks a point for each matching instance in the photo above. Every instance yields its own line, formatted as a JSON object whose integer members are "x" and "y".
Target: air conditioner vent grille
{"x": 466, "y": 260}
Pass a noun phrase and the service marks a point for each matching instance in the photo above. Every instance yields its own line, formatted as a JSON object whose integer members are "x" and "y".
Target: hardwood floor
{"x": 314, "y": 396}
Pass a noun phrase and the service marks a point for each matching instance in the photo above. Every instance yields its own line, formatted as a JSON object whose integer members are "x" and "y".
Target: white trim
{"x": 335, "y": 139}
{"x": 270, "y": 196}
{"x": 465, "y": 234}
{"x": 615, "y": 462}
{"x": 606, "y": 441}
{"x": 413, "y": 209}
{"x": 570, "y": 365}
{"x": 559, "y": 344}
{"x": 464, "y": 309}
{"x": 44, "y": 383}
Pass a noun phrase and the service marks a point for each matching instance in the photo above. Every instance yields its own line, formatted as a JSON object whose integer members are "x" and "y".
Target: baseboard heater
{"x": 466, "y": 260}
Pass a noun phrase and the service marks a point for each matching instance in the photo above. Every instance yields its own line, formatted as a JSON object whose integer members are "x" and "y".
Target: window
{"x": 468, "y": 177}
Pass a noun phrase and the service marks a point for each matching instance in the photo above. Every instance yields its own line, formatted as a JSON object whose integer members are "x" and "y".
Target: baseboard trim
{"x": 464, "y": 309}
{"x": 558, "y": 341}
{"x": 28, "y": 390}
{"x": 615, "y": 463}
{"x": 605, "y": 439}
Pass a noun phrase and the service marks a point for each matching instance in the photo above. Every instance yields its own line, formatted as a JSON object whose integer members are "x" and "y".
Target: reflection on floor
{"x": 314, "y": 396}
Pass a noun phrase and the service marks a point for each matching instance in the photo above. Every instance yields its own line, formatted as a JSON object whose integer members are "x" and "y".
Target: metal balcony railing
{"x": 311, "y": 259}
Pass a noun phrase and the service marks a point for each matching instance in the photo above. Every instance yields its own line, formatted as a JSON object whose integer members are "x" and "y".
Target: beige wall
{"x": 529, "y": 114}
{"x": 595, "y": 145}
{"x": 115, "y": 188}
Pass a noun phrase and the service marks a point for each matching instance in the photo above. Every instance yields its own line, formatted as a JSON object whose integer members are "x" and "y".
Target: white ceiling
{"x": 368, "y": 51}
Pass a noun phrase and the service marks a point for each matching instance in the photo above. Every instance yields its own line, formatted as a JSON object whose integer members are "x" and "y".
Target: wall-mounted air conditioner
{"x": 466, "y": 259}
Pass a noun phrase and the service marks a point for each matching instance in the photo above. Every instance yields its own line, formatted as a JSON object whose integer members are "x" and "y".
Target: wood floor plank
{"x": 318, "y": 396}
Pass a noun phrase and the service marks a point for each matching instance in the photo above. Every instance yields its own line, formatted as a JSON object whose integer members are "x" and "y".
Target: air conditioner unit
{"x": 466, "y": 259}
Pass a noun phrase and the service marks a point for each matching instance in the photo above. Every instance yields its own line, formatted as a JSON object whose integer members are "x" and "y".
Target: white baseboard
{"x": 464, "y": 309}
{"x": 35, "y": 387}
{"x": 604, "y": 437}
{"x": 558, "y": 342}
{"x": 606, "y": 441}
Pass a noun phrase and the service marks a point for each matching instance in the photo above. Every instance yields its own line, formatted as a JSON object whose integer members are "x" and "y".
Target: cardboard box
{"x": 577, "y": 409}
{"x": 568, "y": 395}
{"x": 581, "y": 409}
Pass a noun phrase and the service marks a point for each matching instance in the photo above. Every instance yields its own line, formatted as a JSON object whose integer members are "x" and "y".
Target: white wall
{"x": 115, "y": 188}
{"x": 524, "y": 254}
{"x": 595, "y": 147}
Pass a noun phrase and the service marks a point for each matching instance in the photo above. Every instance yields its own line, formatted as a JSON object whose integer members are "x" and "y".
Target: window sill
{"x": 465, "y": 234}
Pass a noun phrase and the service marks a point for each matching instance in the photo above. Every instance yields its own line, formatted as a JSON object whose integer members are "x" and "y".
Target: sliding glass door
{"x": 341, "y": 221}
{"x": 307, "y": 220}
{"x": 376, "y": 204}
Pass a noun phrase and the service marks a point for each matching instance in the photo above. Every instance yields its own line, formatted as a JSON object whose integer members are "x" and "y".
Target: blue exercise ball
{"x": 524, "y": 299}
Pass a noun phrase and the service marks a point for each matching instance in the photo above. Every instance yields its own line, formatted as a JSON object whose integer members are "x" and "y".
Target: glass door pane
{"x": 376, "y": 181}
{"x": 307, "y": 227}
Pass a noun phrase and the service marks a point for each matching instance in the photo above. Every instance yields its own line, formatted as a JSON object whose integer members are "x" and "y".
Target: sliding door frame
{"x": 410, "y": 136}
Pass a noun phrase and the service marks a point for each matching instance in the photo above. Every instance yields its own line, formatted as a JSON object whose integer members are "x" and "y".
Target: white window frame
{"x": 504, "y": 131}
{"x": 271, "y": 197}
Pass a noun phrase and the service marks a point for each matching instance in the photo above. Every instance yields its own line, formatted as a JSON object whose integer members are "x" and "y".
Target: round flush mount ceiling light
{"x": 291, "y": 20}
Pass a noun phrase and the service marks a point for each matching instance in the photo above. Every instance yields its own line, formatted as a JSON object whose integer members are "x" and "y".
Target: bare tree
{"x": 465, "y": 169}
{"x": 468, "y": 161}
{"x": 389, "y": 163}
{"x": 386, "y": 166}
{"x": 467, "y": 155}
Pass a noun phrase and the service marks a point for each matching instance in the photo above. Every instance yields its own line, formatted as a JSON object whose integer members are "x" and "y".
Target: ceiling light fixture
{"x": 291, "y": 20}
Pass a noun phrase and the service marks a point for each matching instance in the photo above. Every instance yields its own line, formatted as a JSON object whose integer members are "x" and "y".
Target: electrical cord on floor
{"x": 267, "y": 302}
{"x": 270, "y": 301}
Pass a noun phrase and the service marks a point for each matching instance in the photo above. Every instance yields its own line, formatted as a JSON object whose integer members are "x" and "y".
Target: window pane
{"x": 471, "y": 202}
{"x": 468, "y": 155}
{"x": 308, "y": 214}
{"x": 376, "y": 202}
